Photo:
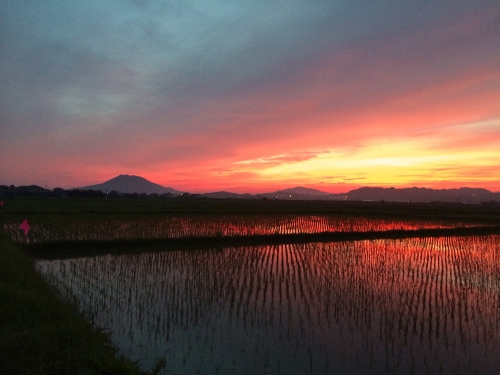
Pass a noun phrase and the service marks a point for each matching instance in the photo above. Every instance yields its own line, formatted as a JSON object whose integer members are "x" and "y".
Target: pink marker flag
{"x": 25, "y": 226}
{"x": 1, "y": 203}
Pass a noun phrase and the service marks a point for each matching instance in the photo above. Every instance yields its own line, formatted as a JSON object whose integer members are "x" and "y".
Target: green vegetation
{"x": 42, "y": 335}
{"x": 95, "y": 208}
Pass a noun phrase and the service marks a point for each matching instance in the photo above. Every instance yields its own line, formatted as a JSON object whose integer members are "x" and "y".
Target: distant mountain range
{"x": 126, "y": 184}
{"x": 301, "y": 193}
{"x": 134, "y": 184}
{"x": 464, "y": 195}
{"x": 296, "y": 193}
{"x": 131, "y": 184}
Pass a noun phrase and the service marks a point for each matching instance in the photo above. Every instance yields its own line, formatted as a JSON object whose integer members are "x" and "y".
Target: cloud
{"x": 280, "y": 159}
{"x": 242, "y": 87}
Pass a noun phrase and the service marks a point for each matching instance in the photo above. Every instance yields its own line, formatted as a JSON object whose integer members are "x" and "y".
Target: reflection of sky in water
{"x": 384, "y": 306}
{"x": 54, "y": 229}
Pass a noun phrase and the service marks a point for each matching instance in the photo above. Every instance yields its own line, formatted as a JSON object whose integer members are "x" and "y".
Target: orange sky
{"x": 250, "y": 97}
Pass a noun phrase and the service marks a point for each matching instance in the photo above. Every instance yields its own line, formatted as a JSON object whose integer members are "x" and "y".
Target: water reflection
{"x": 428, "y": 305}
{"x": 64, "y": 228}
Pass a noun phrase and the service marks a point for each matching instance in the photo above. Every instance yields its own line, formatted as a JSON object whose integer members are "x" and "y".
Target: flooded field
{"x": 420, "y": 305}
{"x": 64, "y": 228}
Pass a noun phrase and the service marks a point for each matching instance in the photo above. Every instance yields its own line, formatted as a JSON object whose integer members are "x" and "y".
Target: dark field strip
{"x": 83, "y": 248}
{"x": 93, "y": 208}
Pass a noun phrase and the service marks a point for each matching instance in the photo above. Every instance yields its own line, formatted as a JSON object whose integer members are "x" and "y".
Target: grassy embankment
{"x": 39, "y": 334}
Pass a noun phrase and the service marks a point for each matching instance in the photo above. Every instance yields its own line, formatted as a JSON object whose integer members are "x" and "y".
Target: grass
{"x": 39, "y": 334}
{"x": 95, "y": 208}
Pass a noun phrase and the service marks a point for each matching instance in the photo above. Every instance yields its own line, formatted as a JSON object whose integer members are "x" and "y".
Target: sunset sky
{"x": 251, "y": 95}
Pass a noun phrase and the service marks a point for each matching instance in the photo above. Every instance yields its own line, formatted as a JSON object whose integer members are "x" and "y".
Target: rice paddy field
{"x": 62, "y": 229}
{"x": 427, "y": 301}
{"x": 66, "y": 220}
{"x": 383, "y": 306}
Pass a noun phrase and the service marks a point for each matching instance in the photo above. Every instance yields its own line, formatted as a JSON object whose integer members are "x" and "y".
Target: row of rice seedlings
{"x": 61, "y": 228}
{"x": 366, "y": 306}
{"x": 37, "y": 233}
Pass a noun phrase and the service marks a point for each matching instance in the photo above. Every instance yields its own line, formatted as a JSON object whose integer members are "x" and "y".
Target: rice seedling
{"x": 70, "y": 228}
{"x": 372, "y": 306}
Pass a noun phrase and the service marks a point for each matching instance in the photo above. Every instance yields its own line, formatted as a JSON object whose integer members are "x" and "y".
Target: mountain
{"x": 301, "y": 193}
{"x": 296, "y": 193}
{"x": 134, "y": 184}
{"x": 228, "y": 195}
{"x": 131, "y": 184}
{"x": 303, "y": 190}
{"x": 464, "y": 195}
